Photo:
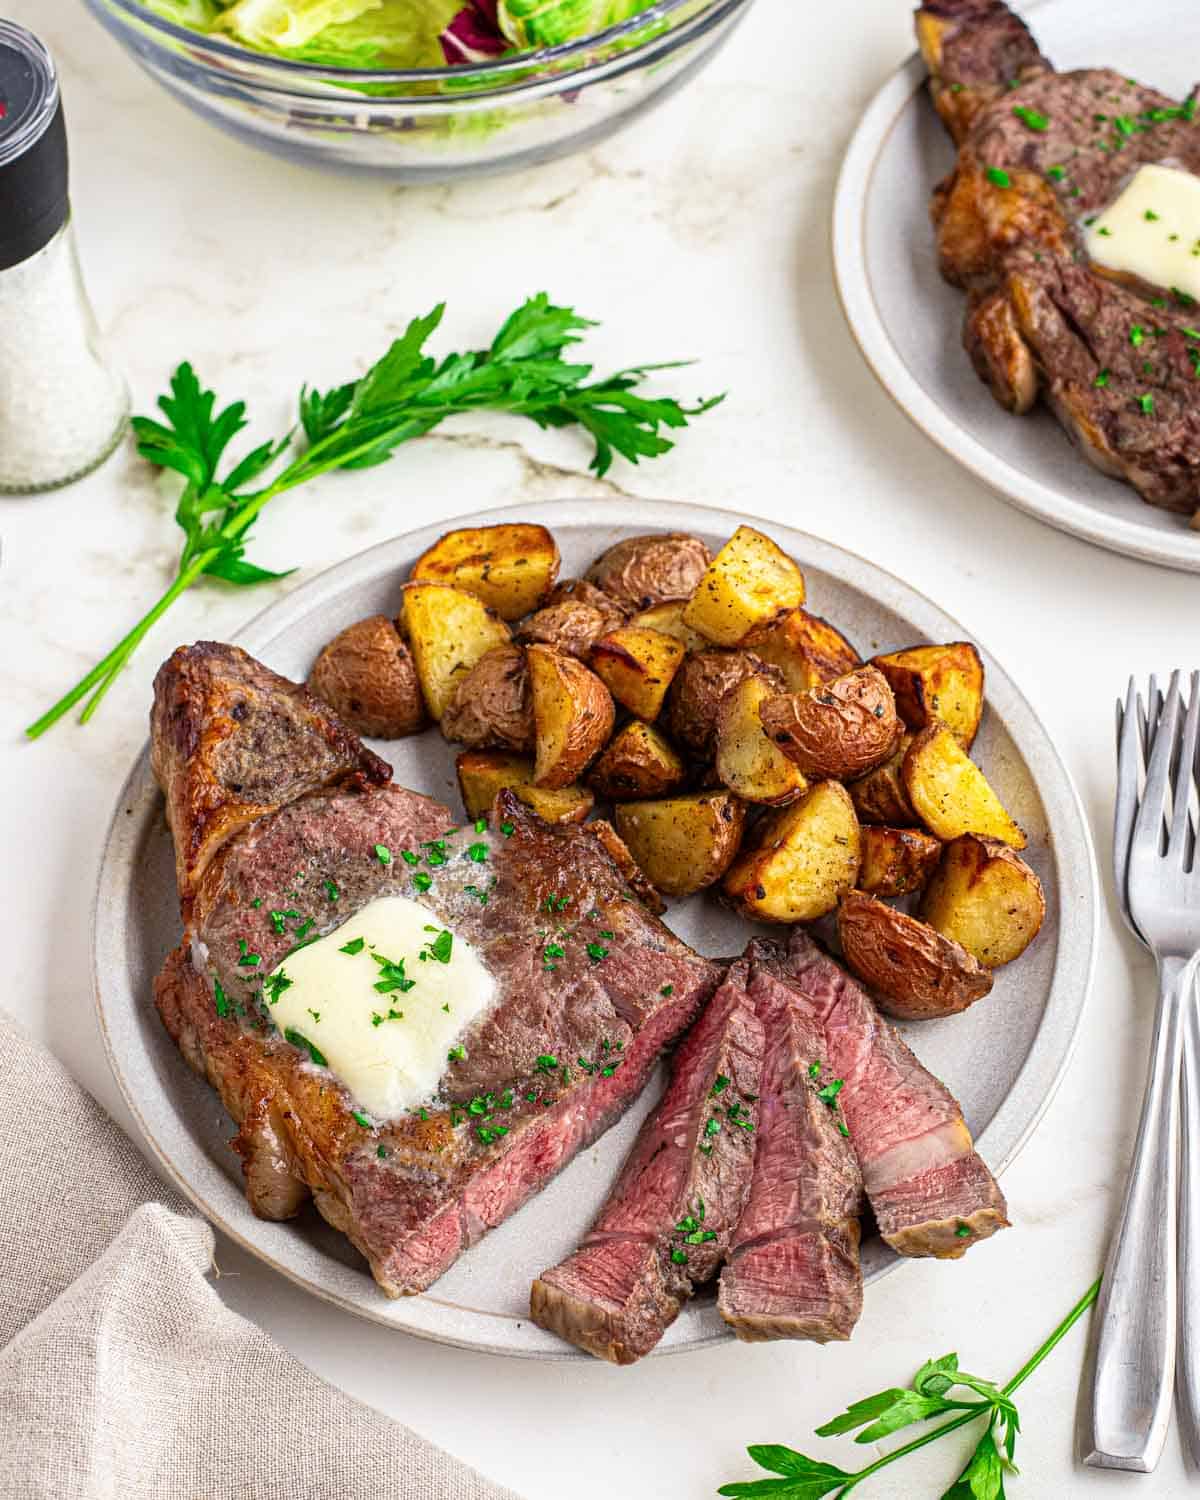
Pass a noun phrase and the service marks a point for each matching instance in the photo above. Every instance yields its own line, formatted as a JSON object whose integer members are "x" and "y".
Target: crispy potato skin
{"x": 937, "y": 682}
{"x": 799, "y": 860}
{"x": 511, "y": 567}
{"x": 807, "y": 650}
{"x": 638, "y": 762}
{"x": 483, "y": 773}
{"x": 580, "y": 591}
{"x": 915, "y": 972}
{"x": 682, "y": 844}
{"x": 984, "y": 896}
{"x": 646, "y": 570}
{"x": 879, "y": 796}
{"x": 896, "y": 860}
{"x": 950, "y": 793}
{"x": 668, "y": 618}
{"x": 618, "y": 851}
{"x": 841, "y": 729}
{"x": 492, "y": 708}
{"x": 448, "y": 629}
{"x": 637, "y": 666}
{"x": 573, "y": 714}
{"x": 570, "y": 626}
{"x": 748, "y": 761}
{"x": 367, "y": 676}
{"x": 749, "y": 585}
{"x": 694, "y": 699}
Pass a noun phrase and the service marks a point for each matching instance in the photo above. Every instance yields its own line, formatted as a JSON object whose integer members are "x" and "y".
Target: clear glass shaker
{"x": 63, "y": 407}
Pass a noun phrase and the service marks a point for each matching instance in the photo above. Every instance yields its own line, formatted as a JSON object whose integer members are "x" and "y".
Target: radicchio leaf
{"x": 474, "y": 34}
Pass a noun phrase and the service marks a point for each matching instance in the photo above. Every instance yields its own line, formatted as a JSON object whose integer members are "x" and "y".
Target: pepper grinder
{"x": 63, "y": 407}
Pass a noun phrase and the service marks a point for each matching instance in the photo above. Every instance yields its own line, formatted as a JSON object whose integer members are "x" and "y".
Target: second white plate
{"x": 908, "y": 321}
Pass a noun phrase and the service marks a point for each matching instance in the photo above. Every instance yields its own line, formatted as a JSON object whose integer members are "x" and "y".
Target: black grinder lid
{"x": 33, "y": 147}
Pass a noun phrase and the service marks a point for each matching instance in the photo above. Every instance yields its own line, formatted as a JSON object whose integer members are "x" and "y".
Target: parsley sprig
{"x": 930, "y": 1395}
{"x": 404, "y": 395}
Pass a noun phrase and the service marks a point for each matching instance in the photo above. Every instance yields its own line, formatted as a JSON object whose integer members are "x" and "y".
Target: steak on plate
{"x": 669, "y": 1218}
{"x": 562, "y": 1050}
{"x": 1040, "y": 152}
{"x": 930, "y": 1190}
{"x": 793, "y": 1269}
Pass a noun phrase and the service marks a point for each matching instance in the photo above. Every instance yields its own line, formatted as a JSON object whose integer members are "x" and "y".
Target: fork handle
{"x": 1187, "y": 1371}
{"x": 1136, "y": 1314}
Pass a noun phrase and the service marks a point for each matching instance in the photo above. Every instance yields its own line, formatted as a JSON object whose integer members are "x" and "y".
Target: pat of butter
{"x": 1152, "y": 230}
{"x": 389, "y": 1045}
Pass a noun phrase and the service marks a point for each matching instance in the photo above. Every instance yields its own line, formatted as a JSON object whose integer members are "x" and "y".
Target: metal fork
{"x": 1158, "y": 882}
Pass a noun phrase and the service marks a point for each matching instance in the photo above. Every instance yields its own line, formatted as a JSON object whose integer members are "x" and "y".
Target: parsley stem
{"x": 978, "y": 1409}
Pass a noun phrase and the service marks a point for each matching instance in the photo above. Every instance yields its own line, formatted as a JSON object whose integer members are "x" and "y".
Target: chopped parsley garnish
{"x": 220, "y": 999}
{"x": 256, "y": 903}
{"x": 1102, "y": 379}
{"x": 478, "y": 853}
{"x": 667, "y": 989}
{"x": 298, "y": 1039}
{"x": 1150, "y": 216}
{"x": 508, "y": 829}
{"x": 611, "y": 1069}
{"x": 1105, "y": 231}
{"x": 713, "y": 1127}
{"x": 555, "y": 902}
{"x": 456, "y": 1054}
{"x": 583, "y": 1063}
{"x": 720, "y": 1084}
{"x": 1033, "y": 119}
{"x": 814, "y": 1070}
{"x": 383, "y": 854}
{"x": 1056, "y": 174}
{"x": 480, "y": 896}
{"x": 737, "y": 1118}
{"x": 440, "y": 947}
{"x": 998, "y": 177}
{"x": 480, "y": 825}
{"x": 305, "y": 927}
{"x": 381, "y": 1151}
{"x": 392, "y": 976}
{"x": 828, "y": 1095}
{"x": 963, "y": 1231}
{"x": 597, "y": 952}
{"x": 422, "y": 881}
{"x": 843, "y": 1129}
{"x": 1185, "y": 299}
{"x": 547, "y": 1063}
{"x": 279, "y": 917}
{"x": 331, "y": 889}
{"x": 315, "y": 1014}
{"x": 552, "y": 950}
{"x": 361, "y": 1118}
{"x": 531, "y": 1096}
{"x": 490, "y": 1133}
{"x": 1124, "y": 125}
{"x": 422, "y": 1113}
{"x": 355, "y": 945}
{"x": 410, "y": 857}
{"x": 679, "y": 1257}
{"x": 1146, "y": 402}
{"x": 275, "y": 984}
{"x": 247, "y": 960}
{"x": 392, "y": 1015}
{"x": 1137, "y": 335}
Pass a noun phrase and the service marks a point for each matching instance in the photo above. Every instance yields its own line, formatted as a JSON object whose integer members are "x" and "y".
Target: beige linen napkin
{"x": 122, "y": 1374}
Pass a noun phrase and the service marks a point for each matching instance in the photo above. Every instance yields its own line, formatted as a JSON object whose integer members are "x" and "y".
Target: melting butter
{"x": 389, "y": 1046}
{"x": 1152, "y": 230}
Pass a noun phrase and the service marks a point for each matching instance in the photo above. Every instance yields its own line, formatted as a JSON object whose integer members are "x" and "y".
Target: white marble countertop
{"x": 703, "y": 231}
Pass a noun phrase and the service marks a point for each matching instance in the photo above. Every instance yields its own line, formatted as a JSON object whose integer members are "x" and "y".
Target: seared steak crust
{"x": 670, "y": 1217}
{"x": 1041, "y": 152}
{"x": 930, "y": 1191}
{"x": 793, "y": 1267}
{"x": 230, "y": 740}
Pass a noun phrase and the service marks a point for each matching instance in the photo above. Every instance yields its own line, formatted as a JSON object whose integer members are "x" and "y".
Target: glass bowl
{"x": 430, "y": 124}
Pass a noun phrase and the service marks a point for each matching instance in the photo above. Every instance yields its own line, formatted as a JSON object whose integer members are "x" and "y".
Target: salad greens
{"x": 397, "y": 33}
{"x": 939, "y": 1388}
{"x": 405, "y": 394}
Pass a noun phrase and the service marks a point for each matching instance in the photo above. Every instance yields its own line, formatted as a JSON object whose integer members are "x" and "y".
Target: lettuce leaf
{"x": 548, "y": 23}
{"x": 285, "y": 25}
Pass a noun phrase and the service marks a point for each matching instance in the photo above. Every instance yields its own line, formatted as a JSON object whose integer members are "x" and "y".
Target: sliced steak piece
{"x": 930, "y": 1190}
{"x": 231, "y": 740}
{"x": 1041, "y": 153}
{"x": 793, "y": 1270}
{"x": 589, "y": 989}
{"x": 669, "y": 1219}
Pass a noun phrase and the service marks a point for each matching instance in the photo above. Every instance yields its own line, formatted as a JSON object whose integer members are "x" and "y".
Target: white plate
{"x": 908, "y": 321}
{"x": 1003, "y": 1058}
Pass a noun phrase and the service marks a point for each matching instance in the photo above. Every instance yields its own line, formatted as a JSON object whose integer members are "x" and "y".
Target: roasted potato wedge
{"x": 483, "y": 773}
{"x": 637, "y": 666}
{"x": 879, "y": 796}
{"x": 915, "y": 972}
{"x": 492, "y": 707}
{"x": 367, "y": 676}
{"x": 949, "y": 792}
{"x": 572, "y": 712}
{"x": 803, "y": 860}
{"x": 511, "y": 567}
{"x": 700, "y": 685}
{"x": 570, "y": 626}
{"x": 748, "y": 761}
{"x": 937, "y": 682}
{"x": 806, "y": 649}
{"x": 618, "y": 851}
{"x": 682, "y": 844}
{"x": 668, "y": 618}
{"x": 840, "y": 729}
{"x": 449, "y": 630}
{"x": 638, "y": 762}
{"x": 645, "y": 570}
{"x": 896, "y": 860}
{"x": 985, "y": 897}
{"x": 748, "y": 585}
{"x": 580, "y": 591}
